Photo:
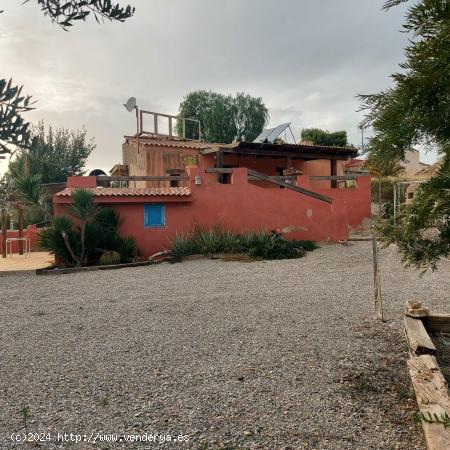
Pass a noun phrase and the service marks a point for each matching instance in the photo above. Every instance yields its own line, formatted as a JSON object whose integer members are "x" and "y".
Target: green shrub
{"x": 51, "y": 239}
{"x": 258, "y": 245}
{"x": 208, "y": 241}
{"x": 183, "y": 245}
{"x": 100, "y": 236}
{"x": 127, "y": 249}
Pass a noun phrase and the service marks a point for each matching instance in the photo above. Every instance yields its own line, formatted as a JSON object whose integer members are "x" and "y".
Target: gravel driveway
{"x": 270, "y": 355}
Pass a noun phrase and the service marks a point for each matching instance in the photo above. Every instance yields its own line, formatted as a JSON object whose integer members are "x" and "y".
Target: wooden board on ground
{"x": 432, "y": 397}
{"x": 437, "y": 322}
{"x": 419, "y": 341}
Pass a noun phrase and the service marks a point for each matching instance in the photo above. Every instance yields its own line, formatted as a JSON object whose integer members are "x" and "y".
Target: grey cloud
{"x": 306, "y": 58}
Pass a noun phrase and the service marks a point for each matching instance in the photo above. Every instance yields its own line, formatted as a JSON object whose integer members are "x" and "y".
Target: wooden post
{"x": 4, "y": 233}
{"x": 220, "y": 166}
{"x": 395, "y": 199}
{"x": 21, "y": 208}
{"x": 334, "y": 183}
{"x": 376, "y": 283}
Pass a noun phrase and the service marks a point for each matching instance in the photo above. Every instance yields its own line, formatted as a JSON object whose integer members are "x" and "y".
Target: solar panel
{"x": 270, "y": 134}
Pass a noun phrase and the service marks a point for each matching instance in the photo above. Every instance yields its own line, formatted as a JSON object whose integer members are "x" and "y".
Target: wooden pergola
{"x": 289, "y": 152}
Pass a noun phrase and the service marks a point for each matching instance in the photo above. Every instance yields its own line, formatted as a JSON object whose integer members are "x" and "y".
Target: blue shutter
{"x": 154, "y": 216}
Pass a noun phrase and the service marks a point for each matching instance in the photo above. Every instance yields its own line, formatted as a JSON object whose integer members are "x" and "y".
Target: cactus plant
{"x": 109, "y": 258}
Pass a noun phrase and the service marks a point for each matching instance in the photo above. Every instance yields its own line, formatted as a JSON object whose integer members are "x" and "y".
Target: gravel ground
{"x": 270, "y": 355}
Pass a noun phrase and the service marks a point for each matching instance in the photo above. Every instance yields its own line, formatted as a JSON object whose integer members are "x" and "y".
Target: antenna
{"x": 130, "y": 104}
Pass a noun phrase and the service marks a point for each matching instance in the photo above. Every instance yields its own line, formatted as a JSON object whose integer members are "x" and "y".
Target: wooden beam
{"x": 219, "y": 164}
{"x": 333, "y": 163}
{"x": 278, "y": 177}
{"x": 437, "y": 322}
{"x": 219, "y": 170}
{"x": 21, "y": 209}
{"x": 337, "y": 178}
{"x": 278, "y": 153}
{"x": 143, "y": 178}
{"x": 419, "y": 341}
{"x": 4, "y": 232}
{"x": 432, "y": 397}
{"x": 378, "y": 301}
{"x": 292, "y": 187}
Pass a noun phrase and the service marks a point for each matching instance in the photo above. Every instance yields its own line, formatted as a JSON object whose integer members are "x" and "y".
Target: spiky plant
{"x": 51, "y": 239}
{"x": 31, "y": 192}
{"x": 84, "y": 209}
{"x": 110, "y": 258}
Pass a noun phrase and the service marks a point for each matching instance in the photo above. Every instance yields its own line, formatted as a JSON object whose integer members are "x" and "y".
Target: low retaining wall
{"x": 427, "y": 378}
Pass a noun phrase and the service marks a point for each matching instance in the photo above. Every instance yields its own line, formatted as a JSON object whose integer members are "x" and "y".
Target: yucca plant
{"x": 84, "y": 209}
{"x": 31, "y": 192}
{"x": 51, "y": 239}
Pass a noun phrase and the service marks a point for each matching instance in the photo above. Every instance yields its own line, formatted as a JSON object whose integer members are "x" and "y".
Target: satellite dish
{"x": 130, "y": 104}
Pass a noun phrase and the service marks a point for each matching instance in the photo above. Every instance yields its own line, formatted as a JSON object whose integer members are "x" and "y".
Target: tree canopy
{"x": 14, "y": 131}
{"x": 416, "y": 111}
{"x": 323, "y": 137}
{"x": 223, "y": 118}
{"x": 53, "y": 155}
{"x": 66, "y": 12}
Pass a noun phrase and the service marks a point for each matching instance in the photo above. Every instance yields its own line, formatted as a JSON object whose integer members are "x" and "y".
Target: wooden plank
{"x": 251, "y": 178}
{"x": 437, "y": 322}
{"x": 280, "y": 178}
{"x": 292, "y": 187}
{"x": 337, "y": 178}
{"x": 219, "y": 170}
{"x": 333, "y": 164}
{"x": 143, "y": 178}
{"x": 21, "y": 211}
{"x": 432, "y": 397}
{"x": 278, "y": 153}
{"x": 219, "y": 163}
{"x": 378, "y": 302}
{"x": 419, "y": 341}
{"x": 4, "y": 232}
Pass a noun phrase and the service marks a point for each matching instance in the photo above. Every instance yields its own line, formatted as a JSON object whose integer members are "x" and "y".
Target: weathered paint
{"x": 241, "y": 206}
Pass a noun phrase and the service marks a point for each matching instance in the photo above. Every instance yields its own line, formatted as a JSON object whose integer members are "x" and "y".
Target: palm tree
{"x": 30, "y": 192}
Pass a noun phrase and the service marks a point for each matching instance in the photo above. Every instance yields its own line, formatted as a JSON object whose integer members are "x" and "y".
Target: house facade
{"x": 240, "y": 187}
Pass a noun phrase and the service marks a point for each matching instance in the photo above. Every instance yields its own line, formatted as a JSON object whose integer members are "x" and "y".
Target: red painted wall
{"x": 243, "y": 206}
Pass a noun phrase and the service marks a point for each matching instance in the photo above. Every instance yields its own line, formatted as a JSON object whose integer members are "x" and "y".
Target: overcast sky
{"x": 307, "y": 59}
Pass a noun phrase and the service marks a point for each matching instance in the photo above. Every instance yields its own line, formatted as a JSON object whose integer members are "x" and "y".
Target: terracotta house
{"x": 165, "y": 185}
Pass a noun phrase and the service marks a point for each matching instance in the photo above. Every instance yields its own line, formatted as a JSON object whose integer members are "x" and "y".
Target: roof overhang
{"x": 295, "y": 151}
